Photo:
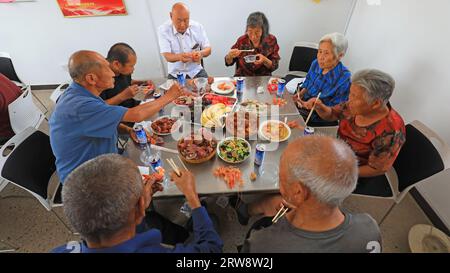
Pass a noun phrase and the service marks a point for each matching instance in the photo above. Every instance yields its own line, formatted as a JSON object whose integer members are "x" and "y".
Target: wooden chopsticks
{"x": 174, "y": 166}
{"x": 280, "y": 214}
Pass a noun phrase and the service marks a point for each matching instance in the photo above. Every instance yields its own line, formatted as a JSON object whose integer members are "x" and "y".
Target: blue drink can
{"x": 155, "y": 161}
{"x": 309, "y": 131}
{"x": 181, "y": 79}
{"x": 260, "y": 154}
{"x": 141, "y": 135}
{"x": 240, "y": 85}
{"x": 281, "y": 86}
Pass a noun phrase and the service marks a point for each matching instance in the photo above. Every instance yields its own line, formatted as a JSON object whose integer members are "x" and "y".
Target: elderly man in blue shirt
{"x": 83, "y": 126}
{"x": 327, "y": 76}
{"x": 106, "y": 198}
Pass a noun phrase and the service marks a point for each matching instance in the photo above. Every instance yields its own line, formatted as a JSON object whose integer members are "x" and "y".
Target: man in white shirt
{"x": 183, "y": 44}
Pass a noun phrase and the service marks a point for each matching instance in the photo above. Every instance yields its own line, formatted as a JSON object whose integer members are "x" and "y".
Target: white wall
{"x": 40, "y": 39}
{"x": 410, "y": 40}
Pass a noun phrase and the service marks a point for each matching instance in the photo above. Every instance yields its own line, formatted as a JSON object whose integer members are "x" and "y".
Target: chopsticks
{"x": 312, "y": 109}
{"x": 163, "y": 149}
{"x": 280, "y": 214}
{"x": 247, "y": 50}
{"x": 174, "y": 166}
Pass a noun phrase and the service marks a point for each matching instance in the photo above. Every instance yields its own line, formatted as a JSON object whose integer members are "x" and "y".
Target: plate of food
{"x": 214, "y": 115}
{"x": 242, "y": 124}
{"x": 197, "y": 147}
{"x": 209, "y": 99}
{"x": 254, "y": 106}
{"x": 165, "y": 125}
{"x": 234, "y": 150}
{"x": 184, "y": 101}
{"x": 274, "y": 130}
{"x": 222, "y": 87}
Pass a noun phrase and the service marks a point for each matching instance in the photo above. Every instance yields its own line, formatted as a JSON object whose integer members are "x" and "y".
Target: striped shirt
{"x": 335, "y": 85}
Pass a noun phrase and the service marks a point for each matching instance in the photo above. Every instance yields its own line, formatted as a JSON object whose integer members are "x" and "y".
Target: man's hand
{"x": 151, "y": 186}
{"x": 130, "y": 91}
{"x": 174, "y": 91}
{"x": 186, "y": 184}
{"x": 186, "y": 57}
{"x": 197, "y": 56}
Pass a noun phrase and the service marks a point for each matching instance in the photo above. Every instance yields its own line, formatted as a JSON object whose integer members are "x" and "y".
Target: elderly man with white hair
{"x": 317, "y": 173}
{"x": 327, "y": 76}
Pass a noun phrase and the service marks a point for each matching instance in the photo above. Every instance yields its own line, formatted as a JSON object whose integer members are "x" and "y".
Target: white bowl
{"x": 263, "y": 136}
{"x": 231, "y": 138}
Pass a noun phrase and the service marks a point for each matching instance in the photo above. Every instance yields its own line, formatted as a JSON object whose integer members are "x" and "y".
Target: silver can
{"x": 309, "y": 131}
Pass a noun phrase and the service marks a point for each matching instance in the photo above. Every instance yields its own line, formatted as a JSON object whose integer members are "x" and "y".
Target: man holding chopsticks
{"x": 309, "y": 218}
{"x": 105, "y": 199}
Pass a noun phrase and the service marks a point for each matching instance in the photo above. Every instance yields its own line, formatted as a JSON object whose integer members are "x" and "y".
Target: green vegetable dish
{"x": 234, "y": 150}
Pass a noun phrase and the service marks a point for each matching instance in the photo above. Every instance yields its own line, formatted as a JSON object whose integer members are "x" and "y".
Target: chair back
{"x": 418, "y": 159}
{"x": 23, "y": 113}
{"x": 7, "y": 67}
{"x": 30, "y": 164}
{"x": 302, "y": 56}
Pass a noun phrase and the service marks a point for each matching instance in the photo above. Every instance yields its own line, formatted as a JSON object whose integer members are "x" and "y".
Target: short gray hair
{"x": 99, "y": 195}
{"x": 376, "y": 83}
{"x": 81, "y": 63}
{"x": 259, "y": 19}
{"x": 326, "y": 166}
{"x": 339, "y": 42}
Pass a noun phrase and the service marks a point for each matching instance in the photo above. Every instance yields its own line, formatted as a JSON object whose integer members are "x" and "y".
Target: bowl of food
{"x": 184, "y": 101}
{"x": 197, "y": 147}
{"x": 214, "y": 115}
{"x": 250, "y": 59}
{"x": 242, "y": 124}
{"x": 274, "y": 130}
{"x": 165, "y": 125}
{"x": 254, "y": 106}
{"x": 234, "y": 150}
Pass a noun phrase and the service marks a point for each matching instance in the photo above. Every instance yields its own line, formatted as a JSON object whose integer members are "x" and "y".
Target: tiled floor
{"x": 28, "y": 226}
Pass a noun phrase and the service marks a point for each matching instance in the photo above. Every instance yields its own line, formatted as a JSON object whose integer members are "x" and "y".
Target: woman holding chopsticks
{"x": 256, "y": 52}
{"x": 327, "y": 76}
{"x": 372, "y": 128}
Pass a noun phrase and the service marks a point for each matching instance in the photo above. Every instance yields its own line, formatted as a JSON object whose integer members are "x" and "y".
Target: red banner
{"x": 82, "y": 8}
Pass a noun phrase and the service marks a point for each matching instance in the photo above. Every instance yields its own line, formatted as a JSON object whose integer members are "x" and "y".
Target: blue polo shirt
{"x": 206, "y": 240}
{"x": 335, "y": 85}
{"x": 82, "y": 127}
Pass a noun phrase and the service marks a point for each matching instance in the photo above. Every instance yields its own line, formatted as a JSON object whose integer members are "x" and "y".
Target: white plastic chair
{"x": 23, "y": 113}
{"x": 58, "y": 92}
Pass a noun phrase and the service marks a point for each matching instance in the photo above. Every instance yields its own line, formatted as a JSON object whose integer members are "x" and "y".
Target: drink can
{"x": 141, "y": 135}
{"x": 240, "y": 84}
{"x": 156, "y": 95}
{"x": 181, "y": 79}
{"x": 309, "y": 131}
{"x": 155, "y": 160}
{"x": 260, "y": 154}
{"x": 281, "y": 86}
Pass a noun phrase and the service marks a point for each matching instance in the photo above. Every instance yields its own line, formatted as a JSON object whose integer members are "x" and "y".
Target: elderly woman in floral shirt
{"x": 372, "y": 128}
{"x": 263, "y": 44}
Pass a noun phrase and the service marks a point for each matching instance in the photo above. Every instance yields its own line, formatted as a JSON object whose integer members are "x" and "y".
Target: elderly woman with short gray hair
{"x": 256, "y": 41}
{"x": 327, "y": 76}
{"x": 374, "y": 130}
